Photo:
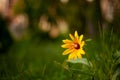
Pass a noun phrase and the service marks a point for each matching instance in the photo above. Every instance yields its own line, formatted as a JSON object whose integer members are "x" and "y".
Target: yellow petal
{"x": 67, "y": 41}
{"x": 68, "y": 51}
{"x": 71, "y": 36}
{"x": 81, "y": 51}
{"x": 76, "y": 34}
{"x": 71, "y": 56}
{"x": 75, "y": 56}
{"x": 79, "y": 55}
{"x": 67, "y": 45}
{"x": 82, "y": 44}
{"x": 64, "y": 46}
{"x": 80, "y": 38}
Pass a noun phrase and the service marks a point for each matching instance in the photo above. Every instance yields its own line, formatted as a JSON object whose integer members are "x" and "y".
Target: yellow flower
{"x": 74, "y": 46}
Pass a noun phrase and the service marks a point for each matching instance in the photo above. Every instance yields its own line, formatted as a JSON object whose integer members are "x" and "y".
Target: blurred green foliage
{"x": 39, "y": 57}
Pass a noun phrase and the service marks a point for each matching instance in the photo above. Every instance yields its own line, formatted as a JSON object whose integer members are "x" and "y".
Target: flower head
{"x": 74, "y": 46}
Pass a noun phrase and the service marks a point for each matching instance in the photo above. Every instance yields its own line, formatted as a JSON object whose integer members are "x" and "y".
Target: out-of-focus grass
{"x": 33, "y": 60}
{"x": 36, "y": 59}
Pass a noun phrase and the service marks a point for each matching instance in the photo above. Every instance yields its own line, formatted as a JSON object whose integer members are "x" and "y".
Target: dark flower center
{"x": 76, "y": 46}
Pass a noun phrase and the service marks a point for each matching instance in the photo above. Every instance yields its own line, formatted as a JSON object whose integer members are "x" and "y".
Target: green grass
{"x": 31, "y": 60}
{"x": 36, "y": 59}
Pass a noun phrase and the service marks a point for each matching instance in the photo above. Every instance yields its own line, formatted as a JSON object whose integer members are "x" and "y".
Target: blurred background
{"x": 31, "y": 34}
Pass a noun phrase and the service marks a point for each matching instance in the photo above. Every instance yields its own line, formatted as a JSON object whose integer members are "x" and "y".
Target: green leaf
{"x": 118, "y": 54}
{"x": 117, "y": 72}
{"x": 88, "y": 39}
{"x": 82, "y": 61}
